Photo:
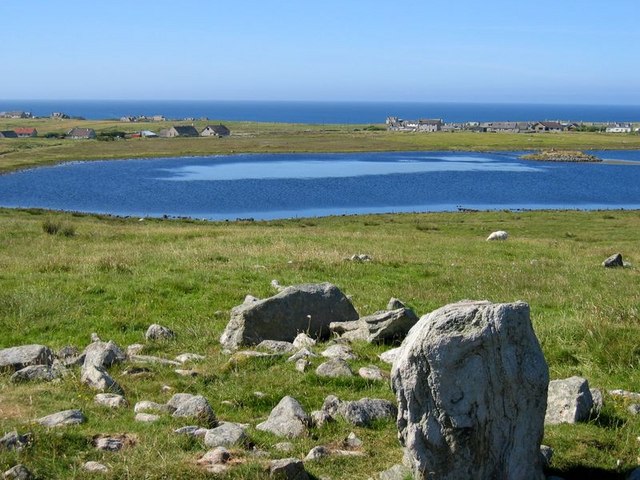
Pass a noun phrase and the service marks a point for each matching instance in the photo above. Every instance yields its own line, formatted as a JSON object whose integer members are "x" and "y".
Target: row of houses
{"x": 19, "y": 133}
{"x": 89, "y": 133}
{"x": 438, "y": 125}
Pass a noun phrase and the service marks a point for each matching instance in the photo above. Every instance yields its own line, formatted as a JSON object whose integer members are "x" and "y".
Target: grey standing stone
{"x": 306, "y": 308}
{"x": 569, "y": 401}
{"x": 111, "y": 400}
{"x": 197, "y": 408}
{"x": 287, "y": 469}
{"x": 16, "y": 358}
{"x": 159, "y": 332}
{"x": 14, "y": 441}
{"x": 471, "y": 383}
{"x": 98, "y": 379}
{"x": 613, "y": 261}
{"x": 103, "y": 354}
{"x": 66, "y": 417}
{"x": 225, "y": 435}
{"x": 42, "y": 373}
{"x": 19, "y": 472}
{"x": 334, "y": 369}
{"x": 287, "y": 419}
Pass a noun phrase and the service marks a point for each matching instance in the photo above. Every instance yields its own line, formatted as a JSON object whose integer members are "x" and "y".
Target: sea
{"x": 325, "y": 112}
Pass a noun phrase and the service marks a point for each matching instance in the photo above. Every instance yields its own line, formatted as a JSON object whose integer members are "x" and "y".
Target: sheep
{"x": 499, "y": 235}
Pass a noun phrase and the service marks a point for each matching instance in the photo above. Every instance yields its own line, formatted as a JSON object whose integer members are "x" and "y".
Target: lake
{"x": 270, "y": 186}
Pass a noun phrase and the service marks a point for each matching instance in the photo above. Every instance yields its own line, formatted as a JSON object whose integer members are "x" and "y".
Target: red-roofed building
{"x": 26, "y": 132}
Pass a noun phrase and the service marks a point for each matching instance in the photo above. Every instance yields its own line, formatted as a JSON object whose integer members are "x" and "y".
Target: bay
{"x": 270, "y": 186}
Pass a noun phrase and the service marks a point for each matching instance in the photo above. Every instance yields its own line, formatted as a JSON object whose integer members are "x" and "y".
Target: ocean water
{"x": 327, "y": 112}
{"x": 270, "y": 186}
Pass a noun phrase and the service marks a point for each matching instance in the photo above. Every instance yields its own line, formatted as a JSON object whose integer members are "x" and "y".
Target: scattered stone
{"x": 317, "y": 453}
{"x": 103, "y": 354}
{"x": 499, "y": 235}
{"x": 110, "y": 444}
{"x": 145, "y": 406}
{"x": 309, "y": 308}
{"x": 625, "y": 394}
{"x": 66, "y": 417}
{"x": 19, "y": 472}
{"x": 98, "y": 379}
{"x": 334, "y": 368}
{"x": 363, "y": 412}
{"x": 137, "y": 372}
{"x": 189, "y": 357}
{"x": 179, "y": 398}
{"x": 249, "y": 299}
{"x": 134, "y": 349}
{"x": 547, "y": 454}
{"x": 330, "y": 405}
{"x": 471, "y": 383}
{"x": 386, "y": 326}
{"x": 352, "y": 441}
{"x": 146, "y": 417}
{"x": 95, "y": 337}
{"x": 70, "y": 356}
{"x": 111, "y": 400}
{"x": 372, "y": 373}
{"x": 166, "y": 388}
{"x": 16, "y": 358}
{"x": 218, "y": 455}
{"x": 319, "y": 418}
{"x": 301, "y": 354}
{"x": 390, "y": 355}
{"x": 287, "y": 419}
{"x": 287, "y": 469}
{"x": 259, "y": 394}
{"x": 395, "y": 303}
{"x": 302, "y": 365}
{"x": 154, "y": 360}
{"x": 225, "y": 435}
{"x": 569, "y": 401}
{"x": 634, "y": 409}
{"x": 339, "y": 351}
{"x": 158, "y": 332}
{"x": 277, "y": 346}
{"x": 95, "y": 467}
{"x": 186, "y": 373}
{"x": 43, "y": 373}
{"x": 303, "y": 341}
{"x": 397, "y": 472}
{"x": 284, "y": 446}
{"x": 198, "y": 408}
{"x": 14, "y": 441}
{"x": 598, "y": 401}
{"x": 613, "y": 261}
{"x": 360, "y": 257}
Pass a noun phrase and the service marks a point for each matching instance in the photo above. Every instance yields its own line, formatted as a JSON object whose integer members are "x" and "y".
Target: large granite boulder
{"x": 306, "y": 308}
{"x": 386, "y": 326}
{"x": 16, "y": 358}
{"x": 471, "y": 383}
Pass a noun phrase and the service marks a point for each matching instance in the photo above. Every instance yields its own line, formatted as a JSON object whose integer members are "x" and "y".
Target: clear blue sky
{"x": 547, "y": 51}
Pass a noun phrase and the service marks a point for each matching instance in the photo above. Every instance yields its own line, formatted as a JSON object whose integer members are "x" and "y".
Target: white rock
{"x": 499, "y": 235}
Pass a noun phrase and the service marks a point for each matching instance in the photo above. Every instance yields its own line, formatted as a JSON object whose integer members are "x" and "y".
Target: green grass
{"x": 117, "y": 276}
{"x": 252, "y": 137}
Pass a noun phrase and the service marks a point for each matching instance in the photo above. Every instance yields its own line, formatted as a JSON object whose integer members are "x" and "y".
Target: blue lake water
{"x": 268, "y": 186}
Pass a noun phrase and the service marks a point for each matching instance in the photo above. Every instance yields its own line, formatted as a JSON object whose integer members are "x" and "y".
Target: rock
{"x": 390, "y": 355}
{"x": 301, "y": 354}
{"x": 317, "y": 453}
{"x": 598, "y": 401}
{"x": 303, "y": 341}
{"x": 110, "y": 444}
{"x": 569, "y": 401}
{"x": 352, "y": 441}
{"x": 287, "y": 419}
{"x": 70, "y": 356}
{"x": 395, "y": 304}
{"x": 14, "y": 441}
{"x": 111, "y": 400}
{"x": 613, "y": 261}
{"x": 499, "y": 235}
{"x": 365, "y": 411}
{"x": 471, "y": 384}
{"x": 225, "y": 435}
{"x": 43, "y": 373}
{"x": 146, "y": 417}
{"x": 103, "y": 354}
{"x": 198, "y": 408}
{"x": 372, "y": 373}
{"x": 275, "y": 284}
{"x": 360, "y": 257}
{"x": 547, "y": 454}
{"x": 249, "y": 299}
{"x": 134, "y": 349}
{"x": 634, "y": 409}
{"x": 145, "y": 406}
{"x": 189, "y": 357}
{"x": 397, "y": 472}
{"x": 16, "y": 358}
{"x": 625, "y": 394}
{"x": 319, "y": 418}
{"x": 186, "y": 373}
{"x": 19, "y": 472}
{"x": 284, "y": 446}
{"x": 66, "y": 417}
{"x": 154, "y": 360}
{"x": 158, "y": 332}
{"x": 386, "y": 326}
{"x": 334, "y": 368}
{"x": 309, "y": 308}
{"x": 95, "y": 337}
{"x": 216, "y": 456}
{"x": 330, "y": 405}
{"x": 179, "y": 398}
{"x": 192, "y": 430}
{"x": 302, "y": 365}
{"x": 339, "y": 351}
{"x": 137, "y": 372}
{"x": 98, "y": 379}
{"x": 95, "y": 467}
{"x": 277, "y": 346}
{"x": 287, "y": 469}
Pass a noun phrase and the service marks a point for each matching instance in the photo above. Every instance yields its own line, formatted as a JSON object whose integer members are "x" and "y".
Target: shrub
{"x": 58, "y": 228}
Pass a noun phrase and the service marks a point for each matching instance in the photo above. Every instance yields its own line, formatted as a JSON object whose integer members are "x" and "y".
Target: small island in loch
{"x": 553, "y": 155}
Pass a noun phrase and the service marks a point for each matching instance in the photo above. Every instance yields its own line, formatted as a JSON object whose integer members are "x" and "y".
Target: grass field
{"x": 251, "y": 137}
{"x": 117, "y": 276}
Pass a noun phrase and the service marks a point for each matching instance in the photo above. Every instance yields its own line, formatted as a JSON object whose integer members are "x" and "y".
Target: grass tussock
{"x": 119, "y": 276}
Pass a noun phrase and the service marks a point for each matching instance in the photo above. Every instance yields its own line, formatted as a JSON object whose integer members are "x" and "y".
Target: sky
{"x": 582, "y": 52}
